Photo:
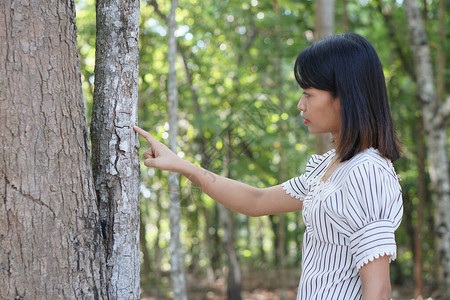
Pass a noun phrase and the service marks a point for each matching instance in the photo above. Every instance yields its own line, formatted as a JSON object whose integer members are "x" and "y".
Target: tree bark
{"x": 176, "y": 255}
{"x": 324, "y": 18}
{"x": 434, "y": 116}
{"x": 115, "y": 146}
{"x": 50, "y": 238}
{"x": 323, "y": 27}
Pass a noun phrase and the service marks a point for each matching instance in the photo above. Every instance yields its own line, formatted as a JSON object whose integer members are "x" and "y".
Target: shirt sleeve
{"x": 373, "y": 211}
{"x": 299, "y": 187}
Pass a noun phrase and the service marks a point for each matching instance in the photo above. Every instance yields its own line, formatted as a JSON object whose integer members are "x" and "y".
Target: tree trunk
{"x": 346, "y": 26}
{"x": 146, "y": 259}
{"x": 324, "y": 18}
{"x": 156, "y": 248}
{"x": 421, "y": 195}
{"x": 441, "y": 54}
{"x": 50, "y": 238}
{"x": 324, "y": 26}
{"x": 281, "y": 234}
{"x": 434, "y": 116}
{"x": 176, "y": 255}
{"x": 234, "y": 278}
{"x": 262, "y": 254}
{"x": 115, "y": 158}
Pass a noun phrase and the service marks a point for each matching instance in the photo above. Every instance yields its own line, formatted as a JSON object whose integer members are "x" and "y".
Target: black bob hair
{"x": 347, "y": 66}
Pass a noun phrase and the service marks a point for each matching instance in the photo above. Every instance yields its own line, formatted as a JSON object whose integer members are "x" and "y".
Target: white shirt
{"x": 350, "y": 219}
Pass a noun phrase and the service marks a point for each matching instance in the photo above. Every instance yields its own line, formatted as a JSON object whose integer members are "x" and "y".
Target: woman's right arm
{"x": 233, "y": 194}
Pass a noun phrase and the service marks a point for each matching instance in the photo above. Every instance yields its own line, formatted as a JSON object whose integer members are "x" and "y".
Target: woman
{"x": 350, "y": 196}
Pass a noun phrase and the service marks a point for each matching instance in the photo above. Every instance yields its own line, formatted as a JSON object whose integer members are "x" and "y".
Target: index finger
{"x": 145, "y": 134}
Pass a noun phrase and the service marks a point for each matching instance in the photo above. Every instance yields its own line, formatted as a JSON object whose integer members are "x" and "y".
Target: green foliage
{"x": 239, "y": 82}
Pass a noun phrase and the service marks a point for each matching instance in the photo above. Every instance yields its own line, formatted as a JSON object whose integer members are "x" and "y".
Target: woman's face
{"x": 320, "y": 112}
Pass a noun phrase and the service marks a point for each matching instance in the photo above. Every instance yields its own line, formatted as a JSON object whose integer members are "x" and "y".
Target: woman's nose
{"x": 300, "y": 105}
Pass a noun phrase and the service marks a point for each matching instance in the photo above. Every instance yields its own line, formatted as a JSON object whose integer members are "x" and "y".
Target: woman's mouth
{"x": 305, "y": 121}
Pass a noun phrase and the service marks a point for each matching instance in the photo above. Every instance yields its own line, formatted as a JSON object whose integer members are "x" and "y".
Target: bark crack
{"x": 28, "y": 196}
{"x": 6, "y": 191}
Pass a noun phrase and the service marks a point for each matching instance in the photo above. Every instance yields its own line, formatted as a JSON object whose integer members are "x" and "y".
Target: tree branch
{"x": 157, "y": 10}
{"x": 444, "y": 112}
{"x": 404, "y": 57}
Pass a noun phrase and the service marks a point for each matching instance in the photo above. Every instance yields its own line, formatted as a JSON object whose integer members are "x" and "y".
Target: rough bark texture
{"x": 50, "y": 239}
{"x": 176, "y": 255}
{"x": 115, "y": 145}
{"x": 434, "y": 116}
{"x": 323, "y": 27}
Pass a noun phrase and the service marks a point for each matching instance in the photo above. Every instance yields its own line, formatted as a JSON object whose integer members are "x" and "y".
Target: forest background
{"x": 238, "y": 117}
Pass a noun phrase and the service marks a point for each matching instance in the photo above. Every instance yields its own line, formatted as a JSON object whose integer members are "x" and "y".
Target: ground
{"x": 258, "y": 286}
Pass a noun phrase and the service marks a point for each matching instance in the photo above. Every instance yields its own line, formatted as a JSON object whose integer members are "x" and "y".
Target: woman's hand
{"x": 158, "y": 156}
{"x": 233, "y": 194}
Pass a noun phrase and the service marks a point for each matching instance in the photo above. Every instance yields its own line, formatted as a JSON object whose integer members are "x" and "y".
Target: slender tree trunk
{"x": 234, "y": 277}
{"x": 440, "y": 84}
{"x": 176, "y": 255}
{"x": 50, "y": 238}
{"x": 421, "y": 194}
{"x": 115, "y": 158}
{"x": 324, "y": 26}
{"x": 281, "y": 234}
{"x": 156, "y": 247}
{"x": 275, "y": 224}
{"x": 441, "y": 54}
{"x": 345, "y": 19}
{"x": 324, "y": 18}
{"x": 262, "y": 254}
{"x": 434, "y": 116}
{"x": 216, "y": 243}
{"x": 234, "y": 288}
{"x": 146, "y": 260}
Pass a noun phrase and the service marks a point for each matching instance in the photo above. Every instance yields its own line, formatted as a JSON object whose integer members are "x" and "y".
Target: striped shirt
{"x": 350, "y": 220}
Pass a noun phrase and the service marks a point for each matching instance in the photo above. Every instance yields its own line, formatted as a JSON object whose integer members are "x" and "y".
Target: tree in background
{"x": 176, "y": 254}
{"x": 50, "y": 236}
{"x": 115, "y": 146}
{"x": 434, "y": 119}
{"x": 324, "y": 13}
